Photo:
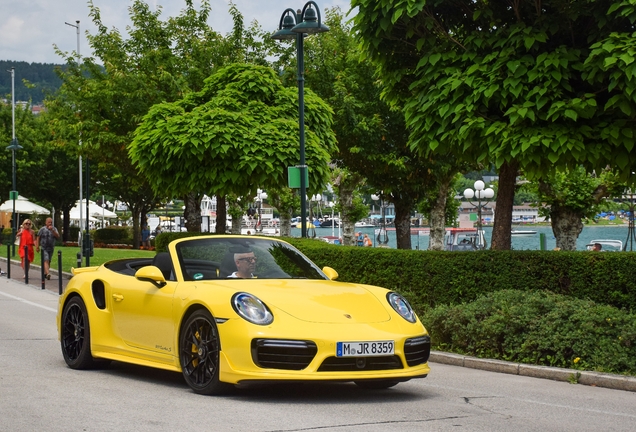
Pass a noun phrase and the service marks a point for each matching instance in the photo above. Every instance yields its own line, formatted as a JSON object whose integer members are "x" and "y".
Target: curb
{"x": 597, "y": 379}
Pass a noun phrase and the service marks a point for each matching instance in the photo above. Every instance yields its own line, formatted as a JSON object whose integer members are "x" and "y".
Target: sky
{"x": 30, "y": 28}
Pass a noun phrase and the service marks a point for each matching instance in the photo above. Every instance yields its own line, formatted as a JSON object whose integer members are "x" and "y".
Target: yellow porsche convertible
{"x": 232, "y": 310}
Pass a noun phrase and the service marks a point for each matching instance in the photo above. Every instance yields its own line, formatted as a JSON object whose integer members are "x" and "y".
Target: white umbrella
{"x": 74, "y": 215}
{"x": 94, "y": 210}
{"x": 23, "y": 206}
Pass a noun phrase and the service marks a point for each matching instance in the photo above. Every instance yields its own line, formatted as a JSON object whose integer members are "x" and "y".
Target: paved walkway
{"x": 35, "y": 275}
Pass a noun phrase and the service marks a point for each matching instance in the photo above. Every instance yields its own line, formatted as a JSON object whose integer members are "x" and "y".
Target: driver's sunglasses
{"x": 251, "y": 259}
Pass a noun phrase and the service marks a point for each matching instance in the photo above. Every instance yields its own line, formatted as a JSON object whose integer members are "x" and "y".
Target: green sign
{"x": 293, "y": 177}
{"x": 13, "y": 195}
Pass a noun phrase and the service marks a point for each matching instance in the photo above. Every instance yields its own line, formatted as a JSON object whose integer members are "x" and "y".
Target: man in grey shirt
{"x": 46, "y": 240}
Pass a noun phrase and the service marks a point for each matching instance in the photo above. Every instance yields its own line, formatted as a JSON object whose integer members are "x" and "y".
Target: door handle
{"x": 118, "y": 297}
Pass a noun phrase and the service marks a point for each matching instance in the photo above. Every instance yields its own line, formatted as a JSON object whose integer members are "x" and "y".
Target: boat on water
{"x": 522, "y": 233}
{"x": 464, "y": 239}
{"x": 364, "y": 225}
{"x": 606, "y": 245}
{"x": 328, "y": 223}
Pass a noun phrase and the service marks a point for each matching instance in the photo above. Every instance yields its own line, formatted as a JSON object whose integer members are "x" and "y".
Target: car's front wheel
{"x": 199, "y": 349}
{"x": 76, "y": 335}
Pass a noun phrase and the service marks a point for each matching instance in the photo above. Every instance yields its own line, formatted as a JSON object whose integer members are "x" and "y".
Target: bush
{"x": 112, "y": 235}
{"x": 73, "y": 233}
{"x": 537, "y": 327}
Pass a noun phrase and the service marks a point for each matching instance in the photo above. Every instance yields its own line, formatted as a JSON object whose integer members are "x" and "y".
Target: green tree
{"x": 238, "y": 133}
{"x": 373, "y": 140}
{"x": 532, "y": 86}
{"x": 568, "y": 196}
{"x": 159, "y": 61}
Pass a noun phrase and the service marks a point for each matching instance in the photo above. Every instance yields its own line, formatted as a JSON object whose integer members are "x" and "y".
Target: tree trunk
{"x": 135, "y": 212}
{"x": 501, "y": 237}
{"x": 192, "y": 213}
{"x": 66, "y": 224}
{"x": 348, "y": 225}
{"x": 285, "y": 223}
{"x": 236, "y": 225}
{"x": 403, "y": 223}
{"x": 221, "y": 214}
{"x": 438, "y": 217}
{"x": 566, "y": 226}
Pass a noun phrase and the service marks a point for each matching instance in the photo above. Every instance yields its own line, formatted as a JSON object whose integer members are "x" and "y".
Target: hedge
{"x": 540, "y": 328}
{"x": 432, "y": 278}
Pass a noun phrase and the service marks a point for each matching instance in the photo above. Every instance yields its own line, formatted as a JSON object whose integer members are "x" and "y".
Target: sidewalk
{"x": 35, "y": 275}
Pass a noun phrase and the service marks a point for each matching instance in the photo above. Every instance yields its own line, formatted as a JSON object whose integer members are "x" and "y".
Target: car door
{"x": 142, "y": 315}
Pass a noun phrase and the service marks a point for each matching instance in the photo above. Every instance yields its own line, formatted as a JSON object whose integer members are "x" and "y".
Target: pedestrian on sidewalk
{"x": 46, "y": 241}
{"x": 27, "y": 238}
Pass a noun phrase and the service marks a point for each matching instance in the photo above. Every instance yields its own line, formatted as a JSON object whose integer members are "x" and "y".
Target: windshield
{"x": 237, "y": 257}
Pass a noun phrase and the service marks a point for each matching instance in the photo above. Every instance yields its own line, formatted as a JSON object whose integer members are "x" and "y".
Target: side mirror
{"x": 331, "y": 273}
{"x": 151, "y": 274}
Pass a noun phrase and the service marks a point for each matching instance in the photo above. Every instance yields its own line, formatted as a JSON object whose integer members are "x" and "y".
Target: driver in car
{"x": 245, "y": 265}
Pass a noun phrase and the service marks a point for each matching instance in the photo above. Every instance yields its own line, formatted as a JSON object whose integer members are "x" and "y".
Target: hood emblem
{"x": 347, "y": 316}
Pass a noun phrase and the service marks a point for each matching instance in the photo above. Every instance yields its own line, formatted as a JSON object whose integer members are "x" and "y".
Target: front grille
{"x": 283, "y": 354}
{"x": 417, "y": 350}
{"x": 346, "y": 364}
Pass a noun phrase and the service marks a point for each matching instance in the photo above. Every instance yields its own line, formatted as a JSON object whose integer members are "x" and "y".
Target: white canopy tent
{"x": 74, "y": 215}
{"x": 94, "y": 210}
{"x": 23, "y": 206}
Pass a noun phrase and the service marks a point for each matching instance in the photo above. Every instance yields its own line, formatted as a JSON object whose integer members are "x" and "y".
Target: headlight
{"x": 401, "y": 306}
{"x": 251, "y": 309}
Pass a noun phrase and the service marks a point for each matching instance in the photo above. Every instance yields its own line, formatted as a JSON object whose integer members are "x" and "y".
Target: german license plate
{"x": 365, "y": 349}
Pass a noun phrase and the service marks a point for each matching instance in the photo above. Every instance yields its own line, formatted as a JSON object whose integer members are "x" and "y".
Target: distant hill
{"x": 42, "y": 75}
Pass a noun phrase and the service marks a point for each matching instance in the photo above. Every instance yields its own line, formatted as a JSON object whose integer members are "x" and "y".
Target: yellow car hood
{"x": 318, "y": 301}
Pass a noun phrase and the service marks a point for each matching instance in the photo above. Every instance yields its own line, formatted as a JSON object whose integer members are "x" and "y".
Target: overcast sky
{"x": 29, "y": 28}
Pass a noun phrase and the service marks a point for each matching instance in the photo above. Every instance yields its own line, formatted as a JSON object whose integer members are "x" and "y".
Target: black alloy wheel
{"x": 199, "y": 349}
{"x": 76, "y": 337}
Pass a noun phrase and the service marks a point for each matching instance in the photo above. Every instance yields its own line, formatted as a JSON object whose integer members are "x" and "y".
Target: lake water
{"x": 589, "y": 233}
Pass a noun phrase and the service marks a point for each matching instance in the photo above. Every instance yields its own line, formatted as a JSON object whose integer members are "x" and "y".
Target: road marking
{"x": 28, "y": 302}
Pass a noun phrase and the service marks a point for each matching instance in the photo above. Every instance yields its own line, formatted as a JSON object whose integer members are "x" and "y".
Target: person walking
{"x": 145, "y": 237}
{"x": 46, "y": 241}
{"x": 27, "y": 238}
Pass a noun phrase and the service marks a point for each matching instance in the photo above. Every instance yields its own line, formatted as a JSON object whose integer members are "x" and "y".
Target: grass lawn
{"x": 100, "y": 256}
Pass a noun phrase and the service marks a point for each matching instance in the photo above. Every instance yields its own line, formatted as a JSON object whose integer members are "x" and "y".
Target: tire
{"x": 376, "y": 384}
{"x": 199, "y": 349}
{"x": 76, "y": 335}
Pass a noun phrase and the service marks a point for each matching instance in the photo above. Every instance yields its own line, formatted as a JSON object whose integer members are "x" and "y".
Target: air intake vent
{"x": 350, "y": 364}
{"x": 283, "y": 354}
{"x": 417, "y": 350}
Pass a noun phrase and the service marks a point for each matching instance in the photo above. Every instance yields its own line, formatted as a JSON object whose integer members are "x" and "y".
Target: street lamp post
{"x": 15, "y": 146}
{"x": 296, "y": 25}
{"x": 383, "y": 236}
{"x": 333, "y": 222}
{"x": 631, "y": 228}
{"x": 314, "y": 199}
{"x": 481, "y": 194}
{"x": 260, "y": 196}
{"x": 81, "y": 195}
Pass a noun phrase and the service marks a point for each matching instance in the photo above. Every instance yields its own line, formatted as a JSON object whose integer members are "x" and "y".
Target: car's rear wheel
{"x": 376, "y": 384}
{"x": 76, "y": 335}
{"x": 199, "y": 349}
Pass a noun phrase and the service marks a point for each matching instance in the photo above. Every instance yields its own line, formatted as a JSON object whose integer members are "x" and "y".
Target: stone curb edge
{"x": 598, "y": 379}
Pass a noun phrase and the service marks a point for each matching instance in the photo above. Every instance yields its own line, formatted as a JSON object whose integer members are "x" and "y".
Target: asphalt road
{"x": 38, "y": 392}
